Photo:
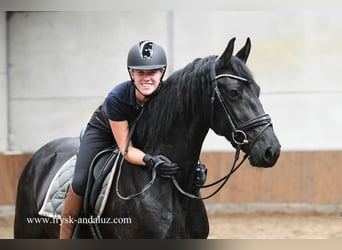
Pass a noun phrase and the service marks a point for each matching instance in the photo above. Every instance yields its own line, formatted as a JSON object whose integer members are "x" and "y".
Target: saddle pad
{"x": 54, "y": 199}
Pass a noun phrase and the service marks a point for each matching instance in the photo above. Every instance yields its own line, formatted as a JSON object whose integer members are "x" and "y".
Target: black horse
{"x": 213, "y": 92}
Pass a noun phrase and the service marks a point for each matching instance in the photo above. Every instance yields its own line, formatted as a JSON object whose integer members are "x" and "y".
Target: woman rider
{"x": 109, "y": 125}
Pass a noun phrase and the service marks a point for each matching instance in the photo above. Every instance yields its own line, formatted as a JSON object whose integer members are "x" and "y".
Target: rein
{"x": 239, "y": 137}
{"x": 224, "y": 179}
{"x": 154, "y": 172}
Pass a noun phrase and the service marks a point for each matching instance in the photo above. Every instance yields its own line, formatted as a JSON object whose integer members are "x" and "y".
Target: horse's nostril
{"x": 269, "y": 153}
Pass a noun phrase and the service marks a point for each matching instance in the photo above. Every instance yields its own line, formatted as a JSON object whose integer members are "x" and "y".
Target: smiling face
{"x": 146, "y": 81}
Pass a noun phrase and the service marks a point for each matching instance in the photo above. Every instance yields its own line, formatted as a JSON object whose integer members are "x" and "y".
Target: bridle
{"x": 239, "y": 135}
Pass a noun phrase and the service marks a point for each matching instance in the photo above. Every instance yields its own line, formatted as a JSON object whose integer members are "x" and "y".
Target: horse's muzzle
{"x": 265, "y": 156}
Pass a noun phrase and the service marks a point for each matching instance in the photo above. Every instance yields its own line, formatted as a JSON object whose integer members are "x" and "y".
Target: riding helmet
{"x": 146, "y": 55}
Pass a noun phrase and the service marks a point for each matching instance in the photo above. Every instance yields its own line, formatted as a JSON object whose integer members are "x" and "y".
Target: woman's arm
{"x": 120, "y": 131}
{"x": 135, "y": 156}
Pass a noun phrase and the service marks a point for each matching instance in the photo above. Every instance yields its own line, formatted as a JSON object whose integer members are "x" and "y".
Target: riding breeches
{"x": 96, "y": 137}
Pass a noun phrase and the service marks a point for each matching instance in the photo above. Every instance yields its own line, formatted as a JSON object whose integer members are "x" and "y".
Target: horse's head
{"x": 237, "y": 112}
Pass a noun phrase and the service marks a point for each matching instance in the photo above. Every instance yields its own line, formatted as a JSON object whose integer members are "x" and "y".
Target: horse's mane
{"x": 177, "y": 101}
{"x": 184, "y": 94}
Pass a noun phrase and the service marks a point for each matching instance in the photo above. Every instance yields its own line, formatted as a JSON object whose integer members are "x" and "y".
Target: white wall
{"x": 296, "y": 58}
{"x": 3, "y": 84}
{"x": 63, "y": 63}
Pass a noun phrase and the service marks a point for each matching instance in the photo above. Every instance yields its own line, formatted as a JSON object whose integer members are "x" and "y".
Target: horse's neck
{"x": 178, "y": 128}
{"x": 185, "y": 143}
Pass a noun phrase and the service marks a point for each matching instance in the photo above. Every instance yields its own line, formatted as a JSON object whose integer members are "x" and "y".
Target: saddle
{"x": 100, "y": 179}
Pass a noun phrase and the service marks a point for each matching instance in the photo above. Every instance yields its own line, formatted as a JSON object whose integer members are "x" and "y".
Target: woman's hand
{"x": 164, "y": 167}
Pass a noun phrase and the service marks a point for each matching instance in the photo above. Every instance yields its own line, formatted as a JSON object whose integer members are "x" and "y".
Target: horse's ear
{"x": 244, "y": 52}
{"x": 227, "y": 54}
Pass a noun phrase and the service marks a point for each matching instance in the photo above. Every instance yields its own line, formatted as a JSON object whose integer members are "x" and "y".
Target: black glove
{"x": 164, "y": 167}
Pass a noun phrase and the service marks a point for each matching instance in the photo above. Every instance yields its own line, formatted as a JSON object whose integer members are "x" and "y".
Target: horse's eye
{"x": 233, "y": 94}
